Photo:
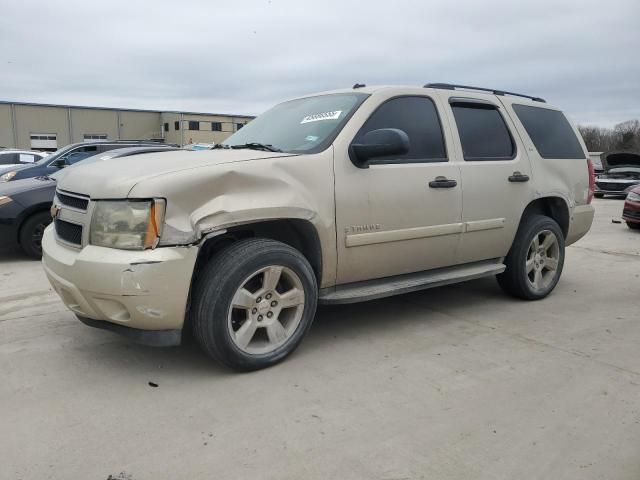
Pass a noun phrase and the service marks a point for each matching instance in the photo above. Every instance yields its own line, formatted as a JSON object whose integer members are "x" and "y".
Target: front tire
{"x": 31, "y": 234}
{"x": 535, "y": 261}
{"x": 253, "y": 303}
{"x": 598, "y": 195}
{"x": 633, "y": 226}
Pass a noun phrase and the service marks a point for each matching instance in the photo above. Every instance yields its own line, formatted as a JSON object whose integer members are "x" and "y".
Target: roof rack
{"x": 135, "y": 140}
{"x": 451, "y": 86}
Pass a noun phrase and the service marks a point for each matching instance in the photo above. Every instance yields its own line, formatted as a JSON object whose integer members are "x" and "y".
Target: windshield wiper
{"x": 257, "y": 146}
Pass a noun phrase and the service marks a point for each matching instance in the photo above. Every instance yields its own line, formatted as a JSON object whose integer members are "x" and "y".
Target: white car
{"x": 12, "y": 158}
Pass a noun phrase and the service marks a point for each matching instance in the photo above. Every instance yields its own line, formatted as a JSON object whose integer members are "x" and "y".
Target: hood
{"x": 28, "y": 184}
{"x": 620, "y": 160}
{"x": 115, "y": 178}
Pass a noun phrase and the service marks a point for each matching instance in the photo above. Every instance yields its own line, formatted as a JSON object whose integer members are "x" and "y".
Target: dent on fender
{"x": 236, "y": 197}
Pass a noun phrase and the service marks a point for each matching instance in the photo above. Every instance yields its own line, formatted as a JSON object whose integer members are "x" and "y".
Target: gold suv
{"x": 338, "y": 197}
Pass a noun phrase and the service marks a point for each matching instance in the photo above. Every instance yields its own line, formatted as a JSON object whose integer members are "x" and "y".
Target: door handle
{"x": 442, "y": 182}
{"x": 518, "y": 177}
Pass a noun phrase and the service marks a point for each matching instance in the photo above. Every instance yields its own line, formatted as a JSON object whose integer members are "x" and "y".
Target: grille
{"x": 69, "y": 232}
{"x": 635, "y": 214}
{"x": 73, "y": 202}
{"x": 612, "y": 187}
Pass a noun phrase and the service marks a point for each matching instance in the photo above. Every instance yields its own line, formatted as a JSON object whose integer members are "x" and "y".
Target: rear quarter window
{"x": 550, "y": 132}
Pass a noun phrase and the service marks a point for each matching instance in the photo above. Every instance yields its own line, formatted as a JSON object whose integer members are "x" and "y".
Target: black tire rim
{"x": 36, "y": 237}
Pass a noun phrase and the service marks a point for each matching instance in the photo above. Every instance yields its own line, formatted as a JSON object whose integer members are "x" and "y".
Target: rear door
{"x": 495, "y": 171}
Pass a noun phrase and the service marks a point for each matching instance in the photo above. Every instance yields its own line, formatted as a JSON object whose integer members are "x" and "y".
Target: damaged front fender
{"x": 211, "y": 199}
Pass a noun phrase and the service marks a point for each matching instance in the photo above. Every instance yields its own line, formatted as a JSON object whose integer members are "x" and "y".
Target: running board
{"x": 385, "y": 287}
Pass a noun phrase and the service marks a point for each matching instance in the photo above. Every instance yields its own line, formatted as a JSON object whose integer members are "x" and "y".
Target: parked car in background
{"x": 69, "y": 155}
{"x": 621, "y": 174}
{"x": 25, "y": 204}
{"x": 200, "y": 146}
{"x": 12, "y": 158}
{"x": 631, "y": 209}
{"x": 597, "y": 162}
{"x": 337, "y": 197}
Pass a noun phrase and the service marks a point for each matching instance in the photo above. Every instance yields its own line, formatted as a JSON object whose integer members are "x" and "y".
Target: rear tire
{"x": 253, "y": 303}
{"x": 633, "y": 226}
{"x": 535, "y": 261}
{"x": 31, "y": 233}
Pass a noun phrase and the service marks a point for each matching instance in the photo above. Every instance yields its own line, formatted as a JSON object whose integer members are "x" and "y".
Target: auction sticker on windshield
{"x": 322, "y": 116}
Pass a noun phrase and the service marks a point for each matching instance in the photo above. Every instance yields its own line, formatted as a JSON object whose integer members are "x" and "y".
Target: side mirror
{"x": 59, "y": 163}
{"x": 380, "y": 143}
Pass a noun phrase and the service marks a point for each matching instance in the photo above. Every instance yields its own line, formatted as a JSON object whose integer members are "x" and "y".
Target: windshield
{"x": 305, "y": 125}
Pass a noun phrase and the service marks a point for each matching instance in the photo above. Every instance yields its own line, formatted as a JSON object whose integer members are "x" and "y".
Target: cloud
{"x": 242, "y": 57}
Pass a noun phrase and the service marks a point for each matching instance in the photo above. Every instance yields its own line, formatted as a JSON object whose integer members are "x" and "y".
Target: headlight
{"x": 4, "y": 200}
{"x": 127, "y": 224}
{"x": 7, "y": 176}
{"x": 631, "y": 196}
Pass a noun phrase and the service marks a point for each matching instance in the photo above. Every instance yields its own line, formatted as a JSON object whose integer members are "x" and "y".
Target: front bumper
{"x": 580, "y": 222}
{"x": 613, "y": 187}
{"x": 144, "y": 290}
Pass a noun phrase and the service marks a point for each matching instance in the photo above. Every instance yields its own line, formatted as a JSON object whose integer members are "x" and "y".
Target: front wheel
{"x": 598, "y": 195}
{"x": 253, "y": 303}
{"x": 633, "y": 226}
{"x": 535, "y": 261}
{"x": 31, "y": 233}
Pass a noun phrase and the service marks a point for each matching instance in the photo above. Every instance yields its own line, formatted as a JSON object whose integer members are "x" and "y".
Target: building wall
{"x": 71, "y": 124}
{"x": 6, "y": 127}
{"x": 171, "y": 135}
{"x": 139, "y": 125}
{"x": 86, "y": 121}
{"x": 206, "y": 134}
{"x": 38, "y": 119}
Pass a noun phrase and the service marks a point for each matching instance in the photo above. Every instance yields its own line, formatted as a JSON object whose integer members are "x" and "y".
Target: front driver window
{"x": 80, "y": 154}
{"x": 418, "y": 118}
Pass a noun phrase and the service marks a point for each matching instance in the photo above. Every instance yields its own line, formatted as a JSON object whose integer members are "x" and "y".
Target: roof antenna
{"x": 359, "y": 85}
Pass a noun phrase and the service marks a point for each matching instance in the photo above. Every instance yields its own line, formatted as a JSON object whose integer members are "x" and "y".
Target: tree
{"x": 627, "y": 135}
{"x": 623, "y": 136}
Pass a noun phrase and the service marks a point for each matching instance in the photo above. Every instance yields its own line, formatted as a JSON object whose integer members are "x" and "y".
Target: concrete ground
{"x": 459, "y": 382}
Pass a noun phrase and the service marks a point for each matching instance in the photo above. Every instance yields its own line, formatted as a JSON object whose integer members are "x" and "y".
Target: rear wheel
{"x": 633, "y": 226}
{"x": 31, "y": 233}
{"x": 253, "y": 303}
{"x": 535, "y": 261}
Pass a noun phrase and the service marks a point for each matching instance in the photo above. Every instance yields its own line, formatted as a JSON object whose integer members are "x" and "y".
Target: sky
{"x": 244, "y": 56}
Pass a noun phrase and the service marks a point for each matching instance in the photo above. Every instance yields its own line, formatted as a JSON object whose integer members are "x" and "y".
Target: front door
{"x": 401, "y": 214}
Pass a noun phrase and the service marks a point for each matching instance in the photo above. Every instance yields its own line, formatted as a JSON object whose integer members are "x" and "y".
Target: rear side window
{"x": 550, "y": 132}
{"x": 483, "y": 133}
{"x": 8, "y": 158}
{"x": 418, "y": 118}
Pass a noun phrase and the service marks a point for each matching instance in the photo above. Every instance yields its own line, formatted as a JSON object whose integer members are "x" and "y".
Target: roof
{"x": 55, "y": 105}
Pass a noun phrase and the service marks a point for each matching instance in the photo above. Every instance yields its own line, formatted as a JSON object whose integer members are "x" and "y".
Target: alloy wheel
{"x": 542, "y": 261}
{"x": 266, "y": 310}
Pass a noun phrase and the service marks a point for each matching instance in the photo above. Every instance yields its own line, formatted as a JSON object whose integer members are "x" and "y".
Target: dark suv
{"x": 69, "y": 155}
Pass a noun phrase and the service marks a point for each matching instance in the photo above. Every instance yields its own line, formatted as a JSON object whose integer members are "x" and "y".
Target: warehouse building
{"x": 49, "y": 127}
